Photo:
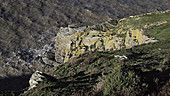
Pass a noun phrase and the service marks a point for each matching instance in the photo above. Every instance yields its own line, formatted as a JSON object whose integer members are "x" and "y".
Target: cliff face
{"x": 74, "y": 41}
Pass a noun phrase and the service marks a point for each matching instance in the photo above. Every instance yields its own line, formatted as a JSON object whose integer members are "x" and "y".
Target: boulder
{"x": 36, "y": 78}
{"x": 122, "y": 57}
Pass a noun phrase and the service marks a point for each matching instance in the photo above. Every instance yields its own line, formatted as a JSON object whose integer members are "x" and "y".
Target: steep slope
{"x": 26, "y": 26}
{"x": 140, "y": 70}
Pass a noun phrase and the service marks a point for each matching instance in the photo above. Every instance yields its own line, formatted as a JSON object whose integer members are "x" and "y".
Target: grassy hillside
{"x": 146, "y": 71}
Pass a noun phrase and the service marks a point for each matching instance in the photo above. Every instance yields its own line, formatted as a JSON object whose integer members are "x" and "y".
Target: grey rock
{"x": 38, "y": 77}
{"x": 122, "y": 57}
{"x": 35, "y": 79}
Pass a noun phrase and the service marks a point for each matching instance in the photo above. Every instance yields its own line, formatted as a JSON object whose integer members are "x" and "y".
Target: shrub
{"x": 121, "y": 82}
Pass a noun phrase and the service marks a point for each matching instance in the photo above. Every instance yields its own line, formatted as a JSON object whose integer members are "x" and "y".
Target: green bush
{"x": 121, "y": 82}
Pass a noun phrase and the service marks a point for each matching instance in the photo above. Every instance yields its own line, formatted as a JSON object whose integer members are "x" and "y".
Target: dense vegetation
{"x": 146, "y": 71}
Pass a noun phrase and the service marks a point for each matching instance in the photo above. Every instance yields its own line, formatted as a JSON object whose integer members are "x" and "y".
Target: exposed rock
{"x": 72, "y": 42}
{"x": 122, "y": 57}
{"x": 35, "y": 79}
{"x": 136, "y": 37}
{"x": 155, "y": 24}
{"x": 38, "y": 77}
{"x": 65, "y": 41}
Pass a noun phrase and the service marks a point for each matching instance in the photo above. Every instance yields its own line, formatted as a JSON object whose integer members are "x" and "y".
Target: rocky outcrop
{"x": 38, "y": 77}
{"x": 35, "y": 79}
{"x": 73, "y": 41}
{"x": 64, "y": 40}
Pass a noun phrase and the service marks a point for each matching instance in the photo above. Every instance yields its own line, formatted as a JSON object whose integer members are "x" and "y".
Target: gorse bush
{"x": 122, "y": 82}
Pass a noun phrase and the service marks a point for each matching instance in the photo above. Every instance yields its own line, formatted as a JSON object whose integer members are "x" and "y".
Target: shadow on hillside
{"x": 16, "y": 83}
{"x": 156, "y": 80}
{"x": 80, "y": 82}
